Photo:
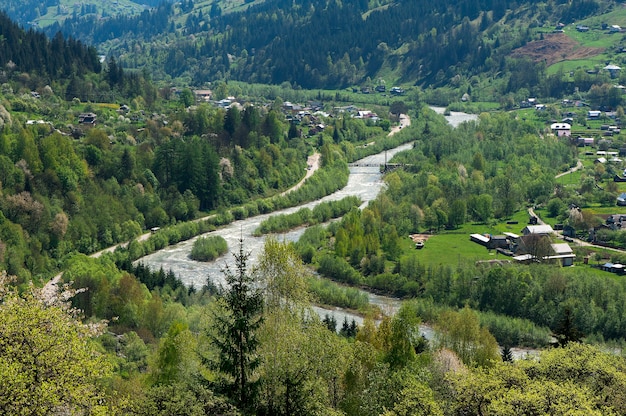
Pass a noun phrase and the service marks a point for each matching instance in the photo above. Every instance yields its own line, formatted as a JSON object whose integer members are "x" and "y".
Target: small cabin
{"x": 87, "y": 118}
{"x": 594, "y": 114}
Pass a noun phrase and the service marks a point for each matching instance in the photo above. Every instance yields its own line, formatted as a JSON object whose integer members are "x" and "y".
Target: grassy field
{"x": 455, "y": 247}
{"x": 596, "y": 37}
{"x": 570, "y": 178}
{"x": 67, "y": 7}
{"x": 615, "y": 17}
{"x": 572, "y": 65}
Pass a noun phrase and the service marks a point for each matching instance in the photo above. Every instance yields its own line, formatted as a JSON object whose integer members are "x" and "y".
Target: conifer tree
{"x": 235, "y": 329}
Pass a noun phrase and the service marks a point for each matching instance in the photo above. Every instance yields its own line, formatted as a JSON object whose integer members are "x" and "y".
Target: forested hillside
{"x": 32, "y": 51}
{"x": 328, "y": 44}
{"x": 70, "y": 185}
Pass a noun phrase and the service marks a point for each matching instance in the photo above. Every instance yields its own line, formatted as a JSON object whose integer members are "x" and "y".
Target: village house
{"x": 502, "y": 243}
{"x": 290, "y": 107}
{"x": 366, "y": 115}
{"x": 616, "y": 221}
{"x": 568, "y": 232}
{"x": 226, "y": 102}
{"x": 613, "y": 268}
{"x": 203, "y": 95}
{"x": 558, "y": 253}
{"x": 561, "y": 129}
{"x": 87, "y": 118}
{"x": 594, "y": 114}
{"x": 613, "y": 70}
{"x": 563, "y": 253}
{"x": 540, "y": 229}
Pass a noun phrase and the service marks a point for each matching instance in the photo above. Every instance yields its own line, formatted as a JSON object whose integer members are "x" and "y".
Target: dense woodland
{"x": 33, "y": 51}
{"x": 122, "y": 339}
{"x": 276, "y": 41}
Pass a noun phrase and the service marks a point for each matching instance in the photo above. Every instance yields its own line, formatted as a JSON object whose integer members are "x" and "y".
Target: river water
{"x": 455, "y": 118}
{"x": 364, "y": 182}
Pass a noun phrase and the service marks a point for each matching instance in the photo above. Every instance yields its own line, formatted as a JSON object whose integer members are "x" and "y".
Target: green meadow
{"x": 454, "y": 247}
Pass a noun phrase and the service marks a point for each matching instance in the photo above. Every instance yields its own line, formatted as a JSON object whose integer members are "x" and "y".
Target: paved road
{"x": 313, "y": 164}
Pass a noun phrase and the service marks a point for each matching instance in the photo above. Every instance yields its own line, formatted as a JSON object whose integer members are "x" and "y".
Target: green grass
{"x": 570, "y": 178}
{"x": 119, "y": 7}
{"x": 455, "y": 247}
{"x": 599, "y": 210}
{"x": 543, "y": 214}
{"x": 451, "y": 248}
{"x": 615, "y": 17}
{"x": 566, "y": 66}
{"x": 595, "y": 38}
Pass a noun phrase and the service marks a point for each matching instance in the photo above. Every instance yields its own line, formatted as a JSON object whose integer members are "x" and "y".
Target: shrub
{"x": 338, "y": 269}
{"x": 208, "y": 248}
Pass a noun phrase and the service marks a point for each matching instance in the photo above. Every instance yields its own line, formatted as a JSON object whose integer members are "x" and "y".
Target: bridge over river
{"x": 383, "y": 167}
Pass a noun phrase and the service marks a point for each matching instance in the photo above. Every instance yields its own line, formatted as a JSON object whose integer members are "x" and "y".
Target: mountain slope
{"x": 28, "y": 51}
{"x": 35, "y": 13}
{"x": 327, "y": 44}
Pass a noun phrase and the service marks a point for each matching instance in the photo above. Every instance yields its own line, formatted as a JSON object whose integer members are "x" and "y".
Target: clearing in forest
{"x": 555, "y": 47}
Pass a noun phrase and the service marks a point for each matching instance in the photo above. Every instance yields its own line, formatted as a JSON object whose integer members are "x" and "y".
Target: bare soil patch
{"x": 555, "y": 47}
{"x": 419, "y": 237}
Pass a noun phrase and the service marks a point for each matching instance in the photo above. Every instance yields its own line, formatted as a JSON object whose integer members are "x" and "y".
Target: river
{"x": 364, "y": 182}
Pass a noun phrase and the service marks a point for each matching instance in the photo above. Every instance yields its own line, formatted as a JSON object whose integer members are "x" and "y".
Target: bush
{"x": 515, "y": 331}
{"x": 330, "y": 293}
{"x": 240, "y": 213}
{"x": 208, "y": 248}
{"x": 320, "y": 213}
{"x": 338, "y": 269}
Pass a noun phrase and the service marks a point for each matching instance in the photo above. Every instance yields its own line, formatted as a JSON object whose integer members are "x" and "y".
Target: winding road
{"x": 579, "y": 165}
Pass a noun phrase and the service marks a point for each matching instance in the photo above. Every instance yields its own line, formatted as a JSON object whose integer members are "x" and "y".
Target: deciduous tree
{"x": 48, "y": 362}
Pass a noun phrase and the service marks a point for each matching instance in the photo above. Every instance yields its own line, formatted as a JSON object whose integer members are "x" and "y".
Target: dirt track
{"x": 555, "y": 47}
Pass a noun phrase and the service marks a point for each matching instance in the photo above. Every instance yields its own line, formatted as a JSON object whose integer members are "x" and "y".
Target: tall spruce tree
{"x": 235, "y": 330}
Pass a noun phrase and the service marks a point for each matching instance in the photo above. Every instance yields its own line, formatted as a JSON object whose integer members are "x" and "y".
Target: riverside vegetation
{"x": 208, "y": 248}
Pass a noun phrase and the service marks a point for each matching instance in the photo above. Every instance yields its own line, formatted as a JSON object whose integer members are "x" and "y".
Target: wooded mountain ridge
{"x": 32, "y": 51}
{"x": 324, "y": 44}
